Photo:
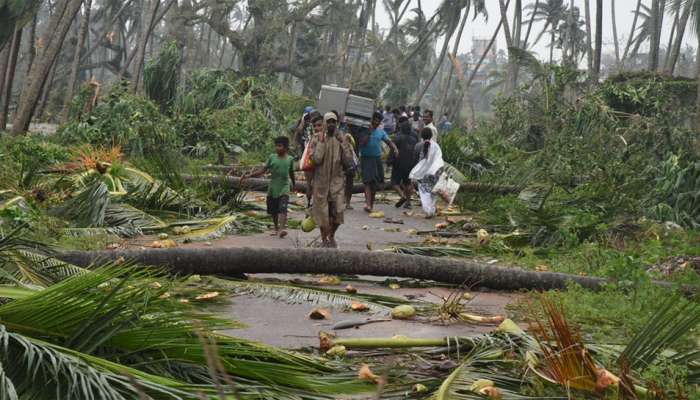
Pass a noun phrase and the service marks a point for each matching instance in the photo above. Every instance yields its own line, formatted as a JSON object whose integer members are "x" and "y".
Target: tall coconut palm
{"x": 633, "y": 29}
{"x": 598, "y": 39}
{"x": 451, "y": 19}
{"x": 675, "y": 49}
{"x": 552, "y": 13}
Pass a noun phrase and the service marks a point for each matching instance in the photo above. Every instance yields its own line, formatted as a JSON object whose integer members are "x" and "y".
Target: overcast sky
{"x": 624, "y": 14}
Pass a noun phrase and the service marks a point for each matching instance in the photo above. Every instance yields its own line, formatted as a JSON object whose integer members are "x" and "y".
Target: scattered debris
{"x": 366, "y": 374}
{"x": 377, "y": 214}
{"x": 350, "y": 289}
{"x": 163, "y": 244}
{"x": 357, "y": 306}
{"x": 320, "y": 313}
{"x": 207, "y": 296}
{"x": 337, "y": 351}
{"x": 329, "y": 280}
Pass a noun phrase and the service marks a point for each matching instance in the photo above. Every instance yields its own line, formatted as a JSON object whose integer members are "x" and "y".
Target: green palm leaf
{"x": 674, "y": 318}
{"x": 296, "y": 294}
{"x": 118, "y": 311}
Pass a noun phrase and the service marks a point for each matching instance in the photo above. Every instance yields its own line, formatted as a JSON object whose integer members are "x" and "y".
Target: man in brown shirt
{"x": 332, "y": 157}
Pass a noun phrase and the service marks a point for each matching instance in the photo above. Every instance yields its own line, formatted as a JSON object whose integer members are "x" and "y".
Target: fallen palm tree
{"x": 259, "y": 184}
{"x": 236, "y": 261}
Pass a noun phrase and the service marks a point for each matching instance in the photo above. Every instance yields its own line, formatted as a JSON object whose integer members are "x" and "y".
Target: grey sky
{"x": 480, "y": 28}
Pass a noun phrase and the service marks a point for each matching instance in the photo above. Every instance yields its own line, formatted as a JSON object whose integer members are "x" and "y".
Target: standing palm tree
{"x": 598, "y": 39}
{"x": 449, "y": 15}
{"x": 552, "y": 12}
{"x": 675, "y": 49}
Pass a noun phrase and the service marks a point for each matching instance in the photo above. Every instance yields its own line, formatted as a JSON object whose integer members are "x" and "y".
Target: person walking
{"x": 371, "y": 159}
{"x": 332, "y": 156}
{"x": 280, "y": 166}
{"x": 427, "y": 171}
{"x": 317, "y": 126}
{"x": 405, "y": 141}
{"x": 388, "y": 121}
{"x": 428, "y": 123}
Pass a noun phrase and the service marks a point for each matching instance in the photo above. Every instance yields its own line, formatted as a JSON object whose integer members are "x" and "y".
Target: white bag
{"x": 447, "y": 188}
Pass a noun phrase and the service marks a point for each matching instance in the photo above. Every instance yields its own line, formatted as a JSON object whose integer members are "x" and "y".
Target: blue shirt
{"x": 373, "y": 148}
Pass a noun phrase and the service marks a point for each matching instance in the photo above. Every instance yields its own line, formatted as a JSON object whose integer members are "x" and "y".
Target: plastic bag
{"x": 446, "y": 188}
{"x": 306, "y": 163}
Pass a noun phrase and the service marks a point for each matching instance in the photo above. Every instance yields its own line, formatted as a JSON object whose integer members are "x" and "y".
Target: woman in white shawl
{"x": 427, "y": 171}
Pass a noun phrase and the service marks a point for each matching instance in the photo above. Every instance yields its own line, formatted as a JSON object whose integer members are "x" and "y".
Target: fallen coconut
{"x": 403, "y": 312}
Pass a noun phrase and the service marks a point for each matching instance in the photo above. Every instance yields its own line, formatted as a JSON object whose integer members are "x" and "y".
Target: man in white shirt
{"x": 428, "y": 121}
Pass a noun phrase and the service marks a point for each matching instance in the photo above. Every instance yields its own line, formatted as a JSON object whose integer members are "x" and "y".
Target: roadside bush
{"x": 122, "y": 119}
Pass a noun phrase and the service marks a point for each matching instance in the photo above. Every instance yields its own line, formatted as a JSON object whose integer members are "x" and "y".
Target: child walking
{"x": 280, "y": 166}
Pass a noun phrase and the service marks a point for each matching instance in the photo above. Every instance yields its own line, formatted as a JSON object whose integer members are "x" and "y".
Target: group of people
{"x": 334, "y": 151}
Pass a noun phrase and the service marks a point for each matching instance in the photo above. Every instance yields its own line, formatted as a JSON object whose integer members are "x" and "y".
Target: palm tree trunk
{"x": 697, "y": 100}
{"x": 676, "y": 50}
{"x": 9, "y": 77}
{"x": 72, "y": 80}
{"x": 655, "y": 35}
{"x": 615, "y": 37}
{"x": 235, "y": 261}
{"x": 455, "y": 48}
{"x": 529, "y": 25}
{"x": 551, "y": 47}
{"x": 589, "y": 41}
{"x": 671, "y": 37}
{"x": 438, "y": 64}
{"x": 512, "y": 79}
{"x": 598, "y": 40}
{"x": 4, "y": 62}
{"x": 465, "y": 86}
{"x": 571, "y": 45}
{"x": 631, "y": 37}
{"x": 60, "y": 22}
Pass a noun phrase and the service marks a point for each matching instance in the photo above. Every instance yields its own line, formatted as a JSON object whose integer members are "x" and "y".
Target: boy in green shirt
{"x": 280, "y": 166}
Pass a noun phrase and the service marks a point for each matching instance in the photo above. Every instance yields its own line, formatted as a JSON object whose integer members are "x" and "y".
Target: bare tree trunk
{"x": 676, "y": 50}
{"x": 598, "y": 40}
{"x": 615, "y": 38}
{"x": 46, "y": 95}
{"x": 60, "y": 22}
{"x": 32, "y": 44}
{"x": 4, "y": 62}
{"x": 589, "y": 41}
{"x": 72, "y": 80}
{"x": 147, "y": 27}
{"x": 9, "y": 77}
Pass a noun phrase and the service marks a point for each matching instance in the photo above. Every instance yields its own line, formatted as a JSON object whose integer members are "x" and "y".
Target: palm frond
{"x": 674, "y": 318}
{"x": 33, "y": 361}
{"x": 294, "y": 294}
{"x": 484, "y": 362}
{"x": 123, "y": 231}
{"x": 211, "y": 228}
{"x": 432, "y": 251}
{"x": 119, "y": 310}
{"x": 89, "y": 206}
{"x": 127, "y": 216}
